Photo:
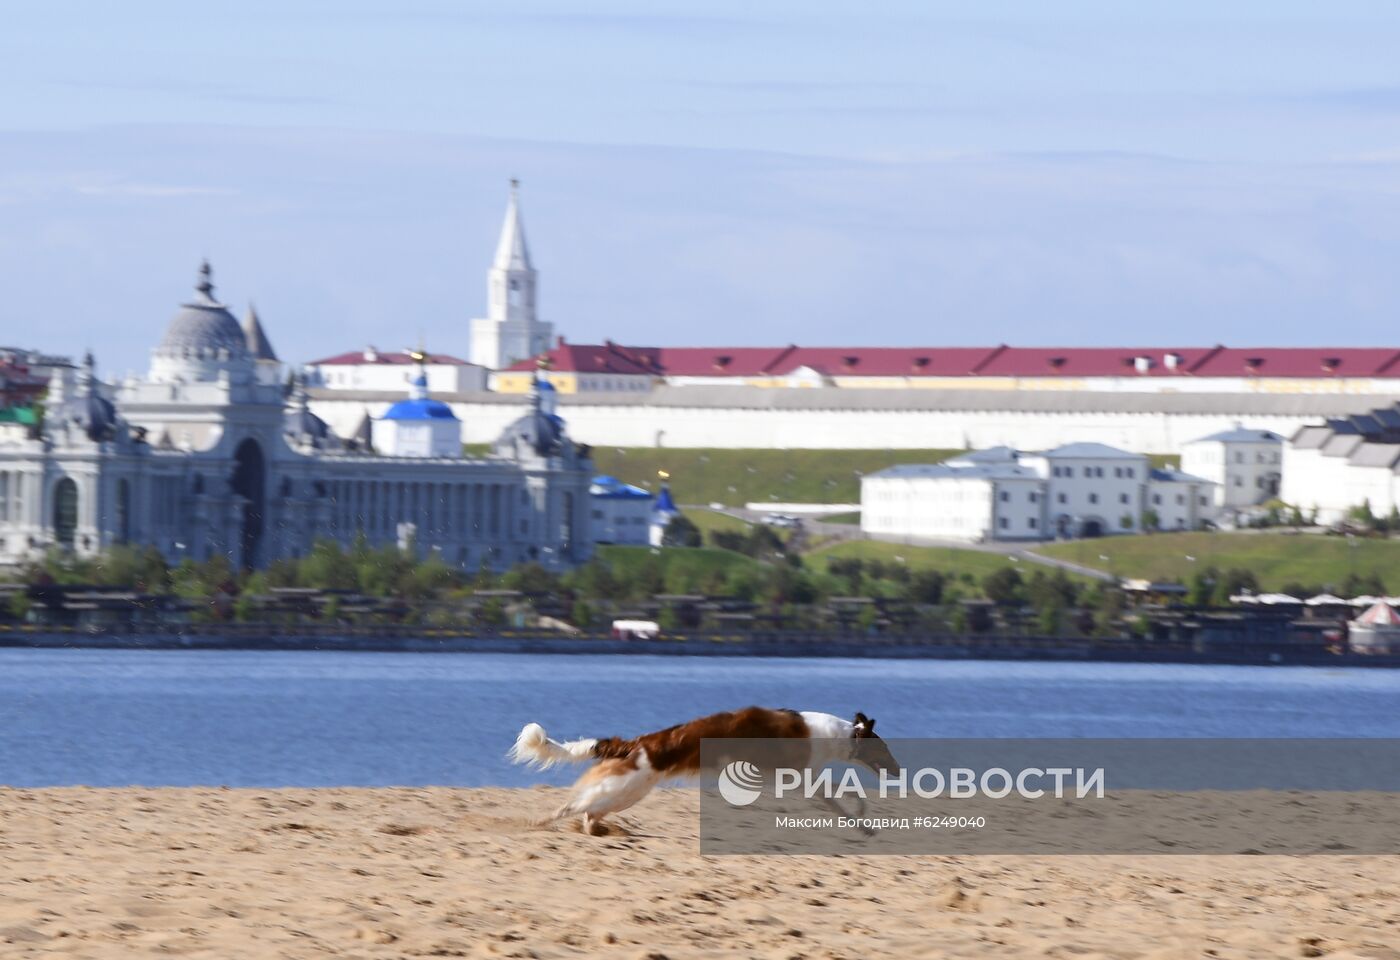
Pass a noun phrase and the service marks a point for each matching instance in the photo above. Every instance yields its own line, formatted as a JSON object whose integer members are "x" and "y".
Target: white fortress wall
{"x": 760, "y": 418}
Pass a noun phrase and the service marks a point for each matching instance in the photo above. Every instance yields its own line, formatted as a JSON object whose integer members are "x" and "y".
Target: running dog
{"x": 625, "y": 771}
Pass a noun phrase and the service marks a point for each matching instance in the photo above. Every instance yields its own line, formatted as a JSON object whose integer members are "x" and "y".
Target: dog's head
{"x": 870, "y": 750}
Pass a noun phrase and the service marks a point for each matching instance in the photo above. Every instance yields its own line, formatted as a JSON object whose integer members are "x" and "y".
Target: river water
{"x": 257, "y": 718}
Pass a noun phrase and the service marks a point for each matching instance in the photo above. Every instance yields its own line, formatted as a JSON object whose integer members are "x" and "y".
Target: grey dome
{"x": 536, "y": 431}
{"x": 300, "y": 424}
{"x": 87, "y": 410}
{"x": 94, "y": 415}
{"x": 204, "y": 327}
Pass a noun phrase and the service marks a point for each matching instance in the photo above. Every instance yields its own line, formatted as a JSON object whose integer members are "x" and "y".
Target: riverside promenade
{"x": 696, "y": 644}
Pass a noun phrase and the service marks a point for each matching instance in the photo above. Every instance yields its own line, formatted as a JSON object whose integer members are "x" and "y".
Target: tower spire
{"x": 512, "y": 253}
{"x": 258, "y": 343}
{"x": 511, "y": 329}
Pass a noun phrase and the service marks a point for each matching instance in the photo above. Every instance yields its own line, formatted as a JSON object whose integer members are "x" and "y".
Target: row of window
{"x": 437, "y": 508}
{"x": 615, "y": 383}
{"x": 1119, "y": 472}
{"x": 1004, "y": 523}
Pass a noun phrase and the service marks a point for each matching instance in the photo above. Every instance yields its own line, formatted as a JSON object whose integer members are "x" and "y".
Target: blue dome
{"x": 419, "y": 410}
{"x": 664, "y": 503}
{"x": 607, "y": 487}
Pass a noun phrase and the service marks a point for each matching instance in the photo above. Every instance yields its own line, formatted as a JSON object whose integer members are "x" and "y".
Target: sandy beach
{"x": 465, "y": 873}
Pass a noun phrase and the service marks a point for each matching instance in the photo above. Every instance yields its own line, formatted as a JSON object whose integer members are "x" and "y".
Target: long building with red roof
{"x": 613, "y": 367}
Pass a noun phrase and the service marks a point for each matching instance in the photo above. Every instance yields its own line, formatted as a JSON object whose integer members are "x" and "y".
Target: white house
{"x": 1343, "y": 463}
{"x": 1178, "y": 500}
{"x": 1245, "y": 464}
{"x": 393, "y": 371}
{"x": 621, "y": 513}
{"x": 1094, "y": 489}
{"x": 955, "y": 500}
{"x": 1077, "y": 490}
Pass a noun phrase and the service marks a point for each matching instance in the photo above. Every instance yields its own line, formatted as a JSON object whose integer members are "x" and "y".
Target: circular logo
{"x": 740, "y": 783}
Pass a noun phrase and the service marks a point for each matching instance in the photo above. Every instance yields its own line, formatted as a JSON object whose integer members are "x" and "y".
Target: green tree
{"x": 595, "y": 579}
{"x": 1050, "y": 620}
{"x": 1108, "y": 611}
{"x": 1235, "y": 581}
{"x": 1003, "y": 586}
{"x": 868, "y": 618}
{"x": 244, "y": 609}
{"x": 681, "y": 532}
{"x": 20, "y": 605}
{"x": 1203, "y": 582}
{"x": 327, "y": 567}
{"x": 1361, "y": 515}
{"x": 925, "y": 586}
{"x": 492, "y": 613}
{"x": 581, "y": 615}
{"x": 958, "y": 619}
{"x": 1358, "y": 585}
{"x": 530, "y": 578}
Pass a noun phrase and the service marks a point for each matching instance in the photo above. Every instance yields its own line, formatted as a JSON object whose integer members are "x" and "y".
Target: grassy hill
{"x": 708, "y": 520}
{"x": 1276, "y": 559}
{"x": 737, "y": 477}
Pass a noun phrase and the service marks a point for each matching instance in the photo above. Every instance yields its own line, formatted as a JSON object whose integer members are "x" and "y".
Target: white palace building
{"x": 212, "y": 454}
{"x": 1076, "y": 490}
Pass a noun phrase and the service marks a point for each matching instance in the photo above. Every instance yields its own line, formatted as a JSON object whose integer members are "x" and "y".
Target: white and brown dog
{"x": 625, "y": 771}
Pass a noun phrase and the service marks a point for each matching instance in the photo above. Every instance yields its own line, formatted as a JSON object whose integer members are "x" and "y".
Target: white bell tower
{"x": 510, "y": 331}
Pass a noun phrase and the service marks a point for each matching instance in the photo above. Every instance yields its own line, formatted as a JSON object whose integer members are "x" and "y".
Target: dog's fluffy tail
{"x": 534, "y": 747}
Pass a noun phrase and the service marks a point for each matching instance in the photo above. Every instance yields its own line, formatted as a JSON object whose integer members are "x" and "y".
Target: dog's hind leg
{"x": 609, "y": 786}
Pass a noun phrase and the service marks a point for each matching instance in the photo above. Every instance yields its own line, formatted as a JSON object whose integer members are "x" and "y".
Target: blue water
{"x": 313, "y": 719}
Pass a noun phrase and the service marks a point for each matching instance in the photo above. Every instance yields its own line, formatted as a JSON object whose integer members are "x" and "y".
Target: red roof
{"x": 357, "y": 358}
{"x": 1299, "y": 362}
{"x": 606, "y": 357}
{"x": 724, "y": 361}
{"x": 887, "y": 361}
{"x": 1090, "y": 361}
{"x": 1002, "y": 361}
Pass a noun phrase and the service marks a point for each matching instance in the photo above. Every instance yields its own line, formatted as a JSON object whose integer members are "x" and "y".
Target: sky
{"x": 704, "y": 173}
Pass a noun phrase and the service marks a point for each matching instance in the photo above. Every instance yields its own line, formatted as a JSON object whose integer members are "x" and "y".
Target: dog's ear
{"x": 870, "y": 725}
{"x": 860, "y": 719}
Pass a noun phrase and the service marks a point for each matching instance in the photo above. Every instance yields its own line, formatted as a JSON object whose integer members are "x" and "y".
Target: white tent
{"x": 1325, "y": 600}
{"x": 1377, "y": 630}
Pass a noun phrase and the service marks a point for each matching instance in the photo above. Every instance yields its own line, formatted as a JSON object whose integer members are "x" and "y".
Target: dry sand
{"x": 462, "y": 873}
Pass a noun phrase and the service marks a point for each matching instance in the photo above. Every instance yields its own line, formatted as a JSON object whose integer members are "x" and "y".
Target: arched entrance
{"x": 1092, "y": 527}
{"x": 65, "y": 512}
{"x": 249, "y": 481}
